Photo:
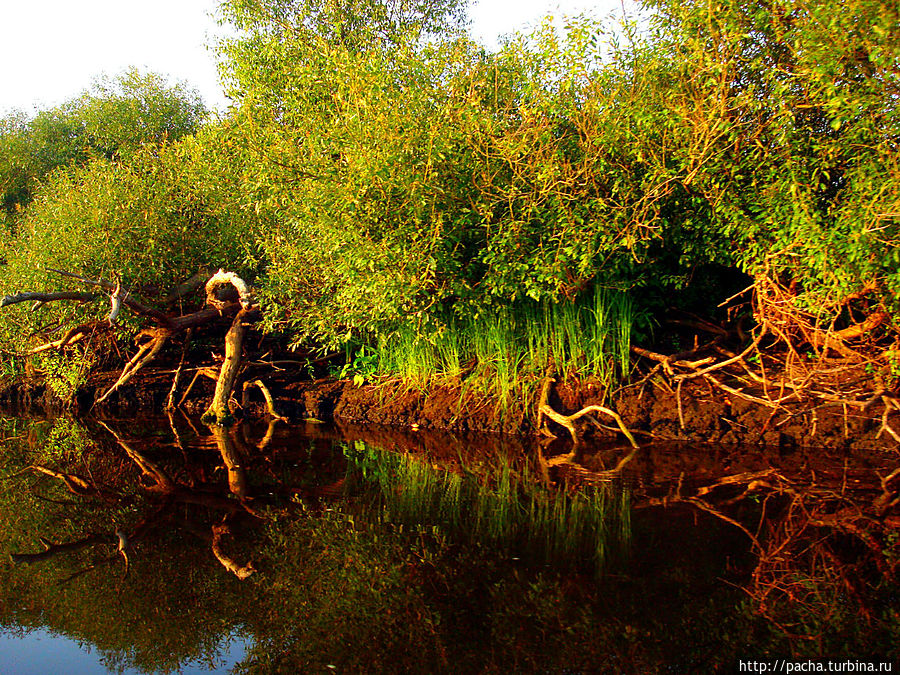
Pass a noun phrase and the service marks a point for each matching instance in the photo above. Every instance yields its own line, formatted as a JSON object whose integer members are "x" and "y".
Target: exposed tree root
{"x": 568, "y": 421}
{"x": 796, "y": 362}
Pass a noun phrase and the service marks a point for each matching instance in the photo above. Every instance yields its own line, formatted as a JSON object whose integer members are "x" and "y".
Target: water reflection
{"x": 372, "y": 550}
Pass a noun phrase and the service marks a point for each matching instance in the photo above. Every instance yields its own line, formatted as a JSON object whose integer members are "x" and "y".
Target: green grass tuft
{"x": 505, "y": 353}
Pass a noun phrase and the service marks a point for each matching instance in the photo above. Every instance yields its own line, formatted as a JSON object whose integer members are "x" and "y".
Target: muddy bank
{"x": 652, "y": 411}
{"x": 696, "y": 413}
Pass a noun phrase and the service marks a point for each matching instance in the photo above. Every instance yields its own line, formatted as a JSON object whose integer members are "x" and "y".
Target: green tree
{"x": 790, "y": 135}
{"x": 113, "y": 119}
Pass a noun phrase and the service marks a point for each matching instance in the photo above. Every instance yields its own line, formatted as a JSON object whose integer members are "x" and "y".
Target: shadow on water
{"x": 364, "y": 549}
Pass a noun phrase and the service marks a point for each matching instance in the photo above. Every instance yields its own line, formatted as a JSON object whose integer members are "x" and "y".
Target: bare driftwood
{"x": 218, "y": 412}
{"x": 223, "y": 278}
{"x": 40, "y": 298}
{"x": 227, "y": 294}
{"x": 145, "y": 355}
{"x": 270, "y": 402}
{"x": 124, "y": 295}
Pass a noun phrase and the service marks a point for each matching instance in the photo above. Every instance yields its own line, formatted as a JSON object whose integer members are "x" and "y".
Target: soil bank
{"x": 652, "y": 410}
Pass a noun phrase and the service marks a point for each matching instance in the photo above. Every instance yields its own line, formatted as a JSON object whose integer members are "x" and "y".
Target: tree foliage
{"x": 113, "y": 120}
{"x": 426, "y": 179}
{"x": 792, "y": 108}
{"x": 382, "y": 174}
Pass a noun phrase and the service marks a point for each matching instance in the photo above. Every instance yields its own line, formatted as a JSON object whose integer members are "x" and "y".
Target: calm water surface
{"x": 161, "y": 546}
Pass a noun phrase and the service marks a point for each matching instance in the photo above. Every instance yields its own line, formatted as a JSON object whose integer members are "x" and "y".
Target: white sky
{"x": 51, "y": 50}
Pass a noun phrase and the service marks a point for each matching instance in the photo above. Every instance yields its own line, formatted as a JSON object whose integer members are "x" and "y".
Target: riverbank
{"x": 656, "y": 407}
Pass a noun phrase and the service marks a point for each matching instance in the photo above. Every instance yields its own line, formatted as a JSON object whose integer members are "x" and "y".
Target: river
{"x": 158, "y": 545}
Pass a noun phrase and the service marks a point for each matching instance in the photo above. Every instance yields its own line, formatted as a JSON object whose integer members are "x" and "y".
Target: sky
{"x": 52, "y": 50}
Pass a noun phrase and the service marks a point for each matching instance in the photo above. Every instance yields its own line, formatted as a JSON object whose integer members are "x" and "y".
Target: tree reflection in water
{"x": 377, "y": 551}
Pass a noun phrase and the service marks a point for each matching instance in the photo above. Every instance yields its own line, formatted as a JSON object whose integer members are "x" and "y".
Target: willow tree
{"x": 789, "y": 126}
{"x": 112, "y": 119}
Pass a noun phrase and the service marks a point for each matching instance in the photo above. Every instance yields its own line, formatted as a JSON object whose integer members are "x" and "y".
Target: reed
{"x": 503, "y": 353}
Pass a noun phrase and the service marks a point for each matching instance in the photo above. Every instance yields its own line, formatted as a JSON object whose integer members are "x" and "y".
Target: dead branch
{"x": 145, "y": 355}
{"x": 170, "y": 399}
{"x": 202, "y": 317}
{"x": 195, "y": 283}
{"x": 201, "y": 372}
{"x": 40, "y": 298}
{"x": 126, "y": 298}
{"x": 667, "y": 362}
{"x": 567, "y": 421}
{"x": 727, "y": 362}
{"x": 267, "y": 395}
{"x": 72, "y": 336}
{"x": 115, "y": 299}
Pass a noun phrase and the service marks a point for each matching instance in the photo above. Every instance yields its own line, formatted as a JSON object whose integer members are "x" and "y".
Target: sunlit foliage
{"x": 113, "y": 119}
{"x": 381, "y": 175}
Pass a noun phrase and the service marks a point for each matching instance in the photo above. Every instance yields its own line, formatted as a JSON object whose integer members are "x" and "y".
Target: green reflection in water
{"x": 501, "y": 506}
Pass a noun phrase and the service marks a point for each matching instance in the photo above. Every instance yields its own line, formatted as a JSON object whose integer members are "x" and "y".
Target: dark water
{"x": 314, "y": 549}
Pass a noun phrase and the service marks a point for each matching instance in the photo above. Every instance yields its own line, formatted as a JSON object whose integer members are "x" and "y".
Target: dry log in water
{"x": 218, "y": 412}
